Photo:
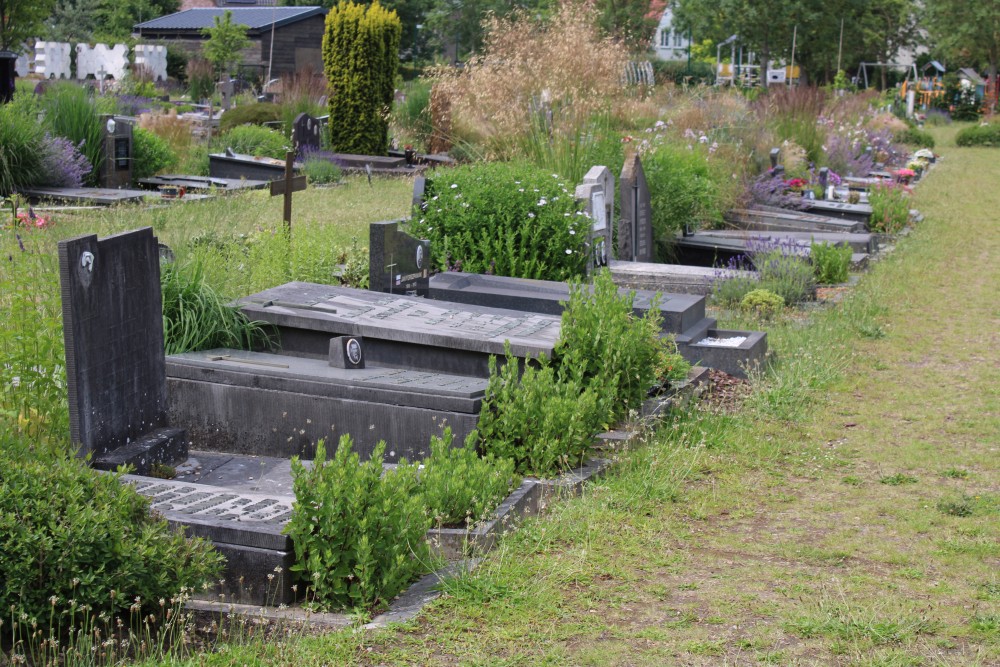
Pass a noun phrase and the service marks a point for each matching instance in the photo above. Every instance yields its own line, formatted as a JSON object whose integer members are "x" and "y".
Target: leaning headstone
{"x": 397, "y": 262}
{"x": 635, "y": 228}
{"x": 115, "y": 367}
{"x": 305, "y": 133}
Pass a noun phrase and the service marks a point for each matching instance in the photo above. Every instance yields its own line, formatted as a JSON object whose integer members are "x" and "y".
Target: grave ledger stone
{"x": 635, "y": 229}
{"x": 115, "y": 368}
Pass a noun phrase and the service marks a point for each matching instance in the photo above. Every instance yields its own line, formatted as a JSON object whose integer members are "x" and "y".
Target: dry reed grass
{"x": 176, "y": 131}
{"x": 528, "y": 65}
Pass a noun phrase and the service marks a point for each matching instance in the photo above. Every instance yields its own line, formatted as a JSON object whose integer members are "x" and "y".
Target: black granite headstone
{"x": 397, "y": 262}
{"x": 7, "y": 60}
{"x": 115, "y": 368}
{"x": 775, "y": 155}
{"x": 116, "y": 168}
{"x": 305, "y": 133}
{"x": 635, "y": 229}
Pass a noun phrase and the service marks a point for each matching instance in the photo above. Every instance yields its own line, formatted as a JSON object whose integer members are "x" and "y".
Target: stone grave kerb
{"x": 398, "y": 263}
{"x": 635, "y": 227}
{"x": 115, "y": 362}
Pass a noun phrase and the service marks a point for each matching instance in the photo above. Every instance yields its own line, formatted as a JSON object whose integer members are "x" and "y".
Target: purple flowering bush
{"x": 63, "y": 163}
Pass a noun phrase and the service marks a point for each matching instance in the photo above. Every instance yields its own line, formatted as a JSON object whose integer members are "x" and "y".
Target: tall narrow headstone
{"x": 419, "y": 188}
{"x": 635, "y": 228}
{"x": 115, "y": 365}
{"x": 599, "y": 236}
{"x": 305, "y": 133}
{"x": 7, "y": 60}
{"x": 226, "y": 90}
{"x": 116, "y": 169}
{"x": 397, "y": 262}
{"x": 775, "y": 155}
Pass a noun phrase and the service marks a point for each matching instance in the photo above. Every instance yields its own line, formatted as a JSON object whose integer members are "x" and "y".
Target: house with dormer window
{"x": 669, "y": 43}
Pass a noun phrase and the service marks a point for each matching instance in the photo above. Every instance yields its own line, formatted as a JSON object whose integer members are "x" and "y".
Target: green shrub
{"x": 509, "y": 219}
{"x": 70, "y": 533}
{"x": 360, "y": 59}
{"x": 150, "y": 154}
{"x": 730, "y": 289}
{"x": 831, "y": 263}
{"x": 890, "y": 208}
{"x": 545, "y": 425}
{"x": 250, "y": 114}
{"x": 684, "y": 189}
{"x": 979, "y": 135}
{"x": 789, "y": 276}
{"x": 358, "y": 534}
{"x": 21, "y": 140}
{"x": 602, "y": 345}
{"x": 762, "y": 303}
{"x": 569, "y": 145}
{"x": 201, "y": 79}
{"x": 196, "y": 317}
{"x": 913, "y": 136}
{"x": 320, "y": 171}
{"x": 257, "y": 141}
{"x": 461, "y": 488}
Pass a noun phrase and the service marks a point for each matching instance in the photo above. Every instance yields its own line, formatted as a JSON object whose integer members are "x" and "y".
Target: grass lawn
{"x": 849, "y": 514}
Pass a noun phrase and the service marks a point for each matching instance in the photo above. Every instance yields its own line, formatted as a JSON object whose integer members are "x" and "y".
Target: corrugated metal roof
{"x": 254, "y": 18}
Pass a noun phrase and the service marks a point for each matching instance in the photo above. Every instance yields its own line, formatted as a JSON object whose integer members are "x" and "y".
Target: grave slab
{"x": 783, "y": 220}
{"x": 674, "y": 278}
{"x": 237, "y": 166}
{"x": 197, "y": 183}
{"x": 278, "y": 405}
{"x": 740, "y": 240}
{"x": 859, "y": 212}
{"x": 679, "y": 311}
{"x": 98, "y": 196}
{"x": 400, "y": 331}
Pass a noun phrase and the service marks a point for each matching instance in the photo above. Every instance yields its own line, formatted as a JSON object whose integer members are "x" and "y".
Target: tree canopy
{"x": 20, "y": 20}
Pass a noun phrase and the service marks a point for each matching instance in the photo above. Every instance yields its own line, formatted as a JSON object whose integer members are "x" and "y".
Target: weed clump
{"x": 830, "y": 262}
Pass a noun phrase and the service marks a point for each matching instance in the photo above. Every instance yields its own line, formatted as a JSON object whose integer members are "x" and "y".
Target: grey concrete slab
{"x": 271, "y": 405}
{"x": 759, "y": 219}
{"x": 860, "y": 212}
{"x": 400, "y": 331}
{"x": 675, "y": 278}
{"x": 679, "y": 311}
{"x": 98, "y": 196}
{"x": 198, "y": 183}
{"x": 860, "y": 242}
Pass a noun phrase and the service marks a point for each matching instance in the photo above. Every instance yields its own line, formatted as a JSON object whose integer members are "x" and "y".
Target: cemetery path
{"x": 861, "y": 528}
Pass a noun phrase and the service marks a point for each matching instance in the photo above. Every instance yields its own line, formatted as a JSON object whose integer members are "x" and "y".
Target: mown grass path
{"x": 849, "y": 515}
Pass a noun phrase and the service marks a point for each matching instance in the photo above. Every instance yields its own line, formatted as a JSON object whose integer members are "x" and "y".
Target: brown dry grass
{"x": 562, "y": 63}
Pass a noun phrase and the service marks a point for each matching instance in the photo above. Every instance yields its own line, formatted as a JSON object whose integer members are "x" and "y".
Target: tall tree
{"x": 627, "y": 20}
{"x": 889, "y": 27}
{"x": 225, "y": 42}
{"x": 969, "y": 29}
{"x": 20, "y": 20}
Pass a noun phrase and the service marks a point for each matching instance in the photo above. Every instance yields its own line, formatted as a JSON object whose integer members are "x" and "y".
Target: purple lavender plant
{"x": 63, "y": 163}
{"x": 770, "y": 189}
{"x": 133, "y": 105}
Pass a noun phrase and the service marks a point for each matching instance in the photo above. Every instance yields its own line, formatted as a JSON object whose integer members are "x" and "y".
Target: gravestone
{"x": 115, "y": 369}
{"x": 7, "y": 60}
{"x": 775, "y": 155}
{"x": 226, "y": 90}
{"x": 599, "y": 234}
{"x": 116, "y": 169}
{"x": 419, "y": 188}
{"x": 602, "y": 177}
{"x": 635, "y": 228}
{"x": 397, "y": 262}
{"x": 305, "y": 133}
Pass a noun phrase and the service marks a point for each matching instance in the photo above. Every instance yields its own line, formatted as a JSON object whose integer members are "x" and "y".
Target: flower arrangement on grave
{"x": 796, "y": 184}
{"x": 917, "y": 166}
{"x": 31, "y": 220}
{"x": 904, "y": 175}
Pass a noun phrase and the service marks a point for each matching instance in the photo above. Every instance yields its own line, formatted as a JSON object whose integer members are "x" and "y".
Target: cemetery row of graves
{"x": 497, "y": 339}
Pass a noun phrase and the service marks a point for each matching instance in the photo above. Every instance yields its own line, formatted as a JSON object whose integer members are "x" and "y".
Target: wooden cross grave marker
{"x": 287, "y": 186}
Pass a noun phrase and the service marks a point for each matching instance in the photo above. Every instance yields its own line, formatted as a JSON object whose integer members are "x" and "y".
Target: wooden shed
{"x": 297, "y": 33}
